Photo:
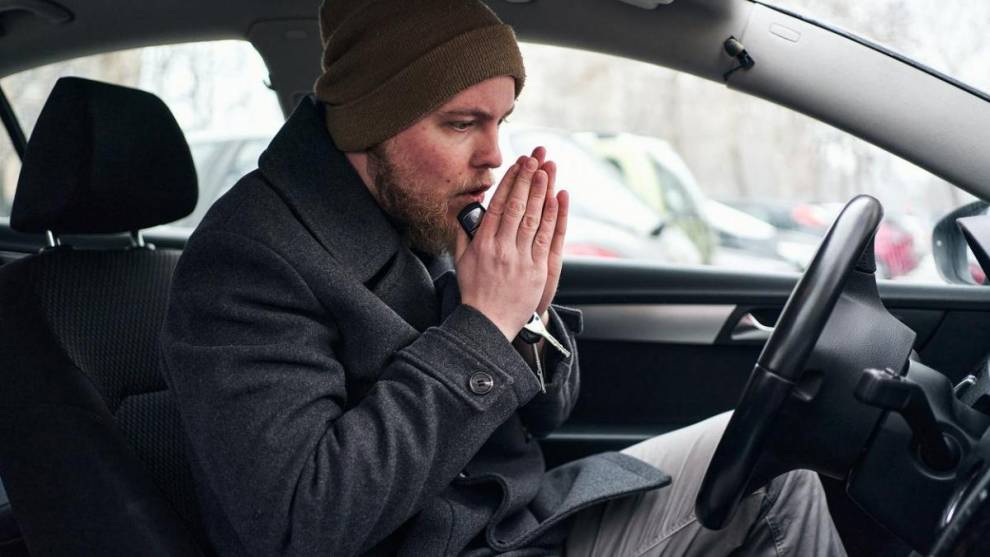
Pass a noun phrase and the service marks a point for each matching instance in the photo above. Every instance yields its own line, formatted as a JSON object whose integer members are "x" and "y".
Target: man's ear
{"x": 359, "y": 160}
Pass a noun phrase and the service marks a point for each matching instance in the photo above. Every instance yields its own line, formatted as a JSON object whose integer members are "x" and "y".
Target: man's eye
{"x": 462, "y": 125}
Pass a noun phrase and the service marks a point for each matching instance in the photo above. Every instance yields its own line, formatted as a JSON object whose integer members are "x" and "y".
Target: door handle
{"x": 749, "y": 329}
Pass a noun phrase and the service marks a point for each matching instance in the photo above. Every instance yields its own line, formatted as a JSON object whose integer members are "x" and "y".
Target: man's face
{"x": 426, "y": 174}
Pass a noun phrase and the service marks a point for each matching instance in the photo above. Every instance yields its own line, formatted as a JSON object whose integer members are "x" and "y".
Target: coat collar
{"x": 323, "y": 189}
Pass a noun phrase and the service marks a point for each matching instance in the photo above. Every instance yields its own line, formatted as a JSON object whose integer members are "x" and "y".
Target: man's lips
{"x": 477, "y": 194}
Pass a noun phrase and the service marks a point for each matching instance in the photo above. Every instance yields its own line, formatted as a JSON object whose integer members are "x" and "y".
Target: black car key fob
{"x": 470, "y": 218}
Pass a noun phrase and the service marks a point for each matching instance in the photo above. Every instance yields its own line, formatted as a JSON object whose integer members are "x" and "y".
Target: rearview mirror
{"x": 949, "y": 248}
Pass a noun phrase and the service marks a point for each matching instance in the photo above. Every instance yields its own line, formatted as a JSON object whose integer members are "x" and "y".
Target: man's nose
{"x": 488, "y": 154}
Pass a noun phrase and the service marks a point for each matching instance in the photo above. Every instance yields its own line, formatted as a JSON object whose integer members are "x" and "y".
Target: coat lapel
{"x": 318, "y": 183}
{"x": 325, "y": 192}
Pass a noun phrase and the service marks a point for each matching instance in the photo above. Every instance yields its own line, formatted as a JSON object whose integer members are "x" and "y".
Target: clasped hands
{"x": 512, "y": 267}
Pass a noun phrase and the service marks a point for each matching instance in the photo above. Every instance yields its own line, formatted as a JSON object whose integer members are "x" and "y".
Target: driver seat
{"x": 91, "y": 446}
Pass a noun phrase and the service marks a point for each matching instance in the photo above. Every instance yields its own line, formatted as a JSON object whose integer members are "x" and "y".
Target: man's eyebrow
{"x": 475, "y": 113}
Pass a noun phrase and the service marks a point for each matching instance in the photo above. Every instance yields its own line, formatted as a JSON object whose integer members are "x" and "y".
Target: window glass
{"x": 721, "y": 178}
{"x": 216, "y": 90}
{"x": 947, "y": 36}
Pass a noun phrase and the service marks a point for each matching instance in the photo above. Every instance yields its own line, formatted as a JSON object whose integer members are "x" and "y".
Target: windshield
{"x": 949, "y": 37}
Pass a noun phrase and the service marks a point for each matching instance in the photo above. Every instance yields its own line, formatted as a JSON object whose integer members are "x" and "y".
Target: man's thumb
{"x": 462, "y": 244}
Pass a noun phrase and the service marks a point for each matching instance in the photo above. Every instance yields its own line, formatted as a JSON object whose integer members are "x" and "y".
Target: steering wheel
{"x": 848, "y": 245}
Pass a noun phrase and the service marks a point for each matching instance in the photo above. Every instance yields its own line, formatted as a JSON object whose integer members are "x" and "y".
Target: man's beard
{"x": 421, "y": 218}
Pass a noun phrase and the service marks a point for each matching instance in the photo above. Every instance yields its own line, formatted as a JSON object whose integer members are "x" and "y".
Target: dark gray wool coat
{"x": 323, "y": 382}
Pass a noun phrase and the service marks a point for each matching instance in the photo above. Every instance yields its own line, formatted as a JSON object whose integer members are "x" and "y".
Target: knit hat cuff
{"x": 424, "y": 85}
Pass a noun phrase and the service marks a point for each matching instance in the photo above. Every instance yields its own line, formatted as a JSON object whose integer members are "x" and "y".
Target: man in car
{"x": 338, "y": 401}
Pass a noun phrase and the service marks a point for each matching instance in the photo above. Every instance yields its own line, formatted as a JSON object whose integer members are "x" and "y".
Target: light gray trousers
{"x": 787, "y": 517}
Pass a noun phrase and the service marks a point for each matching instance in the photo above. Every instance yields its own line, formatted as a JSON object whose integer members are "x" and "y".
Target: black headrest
{"x": 103, "y": 159}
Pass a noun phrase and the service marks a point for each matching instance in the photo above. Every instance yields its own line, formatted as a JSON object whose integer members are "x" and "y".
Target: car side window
{"x": 727, "y": 179}
{"x": 215, "y": 89}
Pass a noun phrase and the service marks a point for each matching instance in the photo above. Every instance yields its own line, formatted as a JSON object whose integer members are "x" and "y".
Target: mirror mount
{"x": 949, "y": 244}
{"x": 977, "y": 233}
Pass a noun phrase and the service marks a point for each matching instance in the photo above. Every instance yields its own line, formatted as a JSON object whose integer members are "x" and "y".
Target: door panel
{"x": 662, "y": 348}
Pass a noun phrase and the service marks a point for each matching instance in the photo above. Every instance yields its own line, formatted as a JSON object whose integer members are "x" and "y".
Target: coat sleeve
{"x": 296, "y": 466}
{"x": 548, "y": 411}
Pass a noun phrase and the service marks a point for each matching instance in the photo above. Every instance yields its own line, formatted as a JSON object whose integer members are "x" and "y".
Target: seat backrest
{"x": 91, "y": 447}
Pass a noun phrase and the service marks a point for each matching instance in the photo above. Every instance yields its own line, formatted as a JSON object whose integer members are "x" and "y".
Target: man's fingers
{"x": 557, "y": 244}
{"x": 505, "y": 185}
{"x": 515, "y": 204}
{"x": 496, "y": 206}
{"x": 551, "y": 169}
{"x": 462, "y": 244}
{"x": 542, "y": 243}
{"x": 534, "y": 210}
{"x": 540, "y": 154}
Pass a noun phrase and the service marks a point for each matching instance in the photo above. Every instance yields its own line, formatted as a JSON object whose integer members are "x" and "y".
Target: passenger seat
{"x": 91, "y": 447}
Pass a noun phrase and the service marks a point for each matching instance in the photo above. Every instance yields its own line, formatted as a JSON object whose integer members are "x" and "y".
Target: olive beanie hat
{"x": 388, "y": 63}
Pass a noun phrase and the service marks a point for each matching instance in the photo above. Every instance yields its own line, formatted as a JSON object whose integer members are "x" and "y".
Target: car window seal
{"x": 12, "y": 126}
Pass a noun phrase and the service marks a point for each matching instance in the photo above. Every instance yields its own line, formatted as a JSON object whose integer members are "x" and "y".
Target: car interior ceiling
{"x": 285, "y": 33}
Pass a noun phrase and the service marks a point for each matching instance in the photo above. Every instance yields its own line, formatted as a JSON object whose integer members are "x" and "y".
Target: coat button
{"x": 481, "y": 383}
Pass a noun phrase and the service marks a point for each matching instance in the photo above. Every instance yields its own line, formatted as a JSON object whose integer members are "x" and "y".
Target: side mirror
{"x": 949, "y": 246}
